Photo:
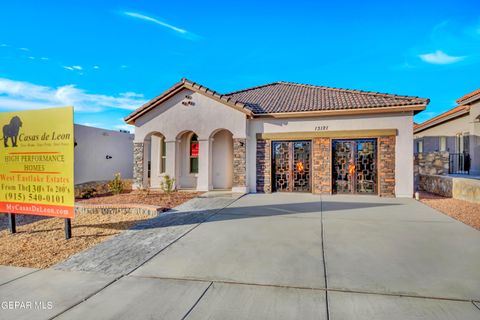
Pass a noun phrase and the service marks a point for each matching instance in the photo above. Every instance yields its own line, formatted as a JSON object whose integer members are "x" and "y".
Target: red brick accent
{"x": 264, "y": 166}
{"x": 386, "y": 166}
{"x": 322, "y": 166}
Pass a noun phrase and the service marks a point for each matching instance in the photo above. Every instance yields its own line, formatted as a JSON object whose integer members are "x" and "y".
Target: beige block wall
{"x": 93, "y": 147}
{"x": 466, "y": 189}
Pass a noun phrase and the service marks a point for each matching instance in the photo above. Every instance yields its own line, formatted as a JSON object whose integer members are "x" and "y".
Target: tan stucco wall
{"x": 93, "y": 145}
{"x": 205, "y": 117}
{"x": 403, "y": 122}
{"x": 475, "y": 140}
{"x": 176, "y": 122}
{"x": 222, "y": 160}
{"x": 449, "y": 128}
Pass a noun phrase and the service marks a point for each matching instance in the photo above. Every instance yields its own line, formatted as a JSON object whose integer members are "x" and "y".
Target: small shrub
{"x": 167, "y": 184}
{"x": 88, "y": 193}
{"x": 116, "y": 185}
{"x": 145, "y": 192}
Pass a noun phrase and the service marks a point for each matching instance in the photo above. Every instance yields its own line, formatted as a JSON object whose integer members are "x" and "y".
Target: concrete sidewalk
{"x": 278, "y": 256}
{"x": 127, "y": 251}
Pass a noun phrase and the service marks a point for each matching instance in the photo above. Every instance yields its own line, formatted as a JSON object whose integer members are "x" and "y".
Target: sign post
{"x": 12, "y": 224}
{"x": 36, "y": 164}
{"x": 68, "y": 228}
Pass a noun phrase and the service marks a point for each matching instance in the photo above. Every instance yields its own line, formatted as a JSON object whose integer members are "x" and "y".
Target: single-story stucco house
{"x": 277, "y": 137}
{"x": 457, "y": 131}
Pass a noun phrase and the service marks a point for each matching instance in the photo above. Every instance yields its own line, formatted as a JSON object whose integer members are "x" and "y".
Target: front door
{"x": 354, "y": 166}
{"x": 291, "y": 166}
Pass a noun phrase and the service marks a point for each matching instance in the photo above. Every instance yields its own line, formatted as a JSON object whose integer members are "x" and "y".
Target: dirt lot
{"x": 40, "y": 242}
{"x": 154, "y": 198}
{"x": 464, "y": 211}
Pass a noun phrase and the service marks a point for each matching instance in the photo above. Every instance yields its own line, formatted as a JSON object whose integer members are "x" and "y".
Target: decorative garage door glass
{"x": 354, "y": 166}
{"x": 291, "y": 165}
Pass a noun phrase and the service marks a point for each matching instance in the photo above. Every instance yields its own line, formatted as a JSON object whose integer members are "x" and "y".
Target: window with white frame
{"x": 194, "y": 148}
{"x": 466, "y": 142}
{"x": 163, "y": 155}
{"x": 459, "y": 143}
{"x": 443, "y": 143}
{"x": 419, "y": 146}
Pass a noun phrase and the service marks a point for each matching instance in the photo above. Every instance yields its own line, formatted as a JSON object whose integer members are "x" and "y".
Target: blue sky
{"x": 108, "y": 57}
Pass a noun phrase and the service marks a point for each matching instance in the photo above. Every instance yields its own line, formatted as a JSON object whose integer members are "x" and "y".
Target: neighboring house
{"x": 277, "y": 137}
{"x": 100, "y": 153}
{"x": 456, "y": 131}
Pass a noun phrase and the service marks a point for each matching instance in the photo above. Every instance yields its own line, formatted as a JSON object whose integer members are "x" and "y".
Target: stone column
{"x": 204, "y": 177}
{"x": 386, "y": 166}
{"x": 138, "y": 171}
{"x": 264, "y": 166}
{"x": 321, "y": 166}
{"x": 239, "y": 165}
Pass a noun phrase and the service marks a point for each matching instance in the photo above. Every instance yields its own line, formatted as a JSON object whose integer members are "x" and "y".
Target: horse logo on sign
{"x": 11, "y": 131}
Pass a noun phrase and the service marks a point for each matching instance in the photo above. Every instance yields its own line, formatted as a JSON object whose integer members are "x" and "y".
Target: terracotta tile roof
{"x": 286, "y": 97}
{"x": 440, "y": 117}
{"x": 468, "y": 96}
{"x": 279, "y": 97}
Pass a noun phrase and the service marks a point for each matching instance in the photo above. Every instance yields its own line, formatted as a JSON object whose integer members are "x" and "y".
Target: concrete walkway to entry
{"x": 278, "y": 256}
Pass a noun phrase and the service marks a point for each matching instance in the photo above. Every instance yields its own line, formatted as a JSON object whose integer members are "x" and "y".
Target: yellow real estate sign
{"x": 36, "y": 162}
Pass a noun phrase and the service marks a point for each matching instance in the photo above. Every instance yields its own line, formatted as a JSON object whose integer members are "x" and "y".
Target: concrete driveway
{"x": 289, "y": 256}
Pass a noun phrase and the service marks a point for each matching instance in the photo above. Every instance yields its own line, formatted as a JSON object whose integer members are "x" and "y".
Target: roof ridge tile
{"x": 349, "y": 90}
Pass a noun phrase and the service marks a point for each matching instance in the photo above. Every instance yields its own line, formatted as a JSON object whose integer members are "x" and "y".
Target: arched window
{"x": 163, "y": 155}
{"x": 194, "y": 154}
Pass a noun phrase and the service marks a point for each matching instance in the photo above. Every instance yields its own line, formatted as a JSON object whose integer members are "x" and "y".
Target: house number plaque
{"x": 321, "y": 128}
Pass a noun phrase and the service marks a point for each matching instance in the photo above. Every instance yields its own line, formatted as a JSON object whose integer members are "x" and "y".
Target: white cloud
{"x": 130, "y": 94}
{"x": 123, "y": 66}
{"x": 19, "y": 95}
{"x": 31, "y": 58}
{"x": 440, "y": 57}
{"x": 73, "y": 68}
{"x": 24, "y": 49}
{"x": 3, "y": 45}
{"x": 96, "y": 67}
{"x": 44, "y": 58}
{"x": 150, "y": 19}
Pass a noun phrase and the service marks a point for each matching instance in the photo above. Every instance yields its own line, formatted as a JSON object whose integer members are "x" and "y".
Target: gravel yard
{"x": 464, "y": 211}
{"x": 40, "y": 242}
{"x": 153, "y": 198}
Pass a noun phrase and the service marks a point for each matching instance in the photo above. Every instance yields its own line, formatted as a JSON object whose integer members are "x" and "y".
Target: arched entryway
{"x": 187, "y": 160}
{"x": 222, "y": 159}
{"x": 154, "y": 159}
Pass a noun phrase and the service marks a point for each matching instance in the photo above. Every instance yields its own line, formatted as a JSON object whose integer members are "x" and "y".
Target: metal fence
{"x": 459, "y": 163}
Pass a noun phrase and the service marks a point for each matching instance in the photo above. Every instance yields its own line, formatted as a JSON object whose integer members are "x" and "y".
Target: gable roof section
{"x": 186, "y": 84}
{"x": 441, "y": 118}
{"x": 286, "y": 99}
{"x": 469, "y": 97}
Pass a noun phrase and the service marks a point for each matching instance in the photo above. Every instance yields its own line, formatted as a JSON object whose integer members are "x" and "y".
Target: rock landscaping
{"x": 464, "y": 211}
{"x": 40, "y": 242}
